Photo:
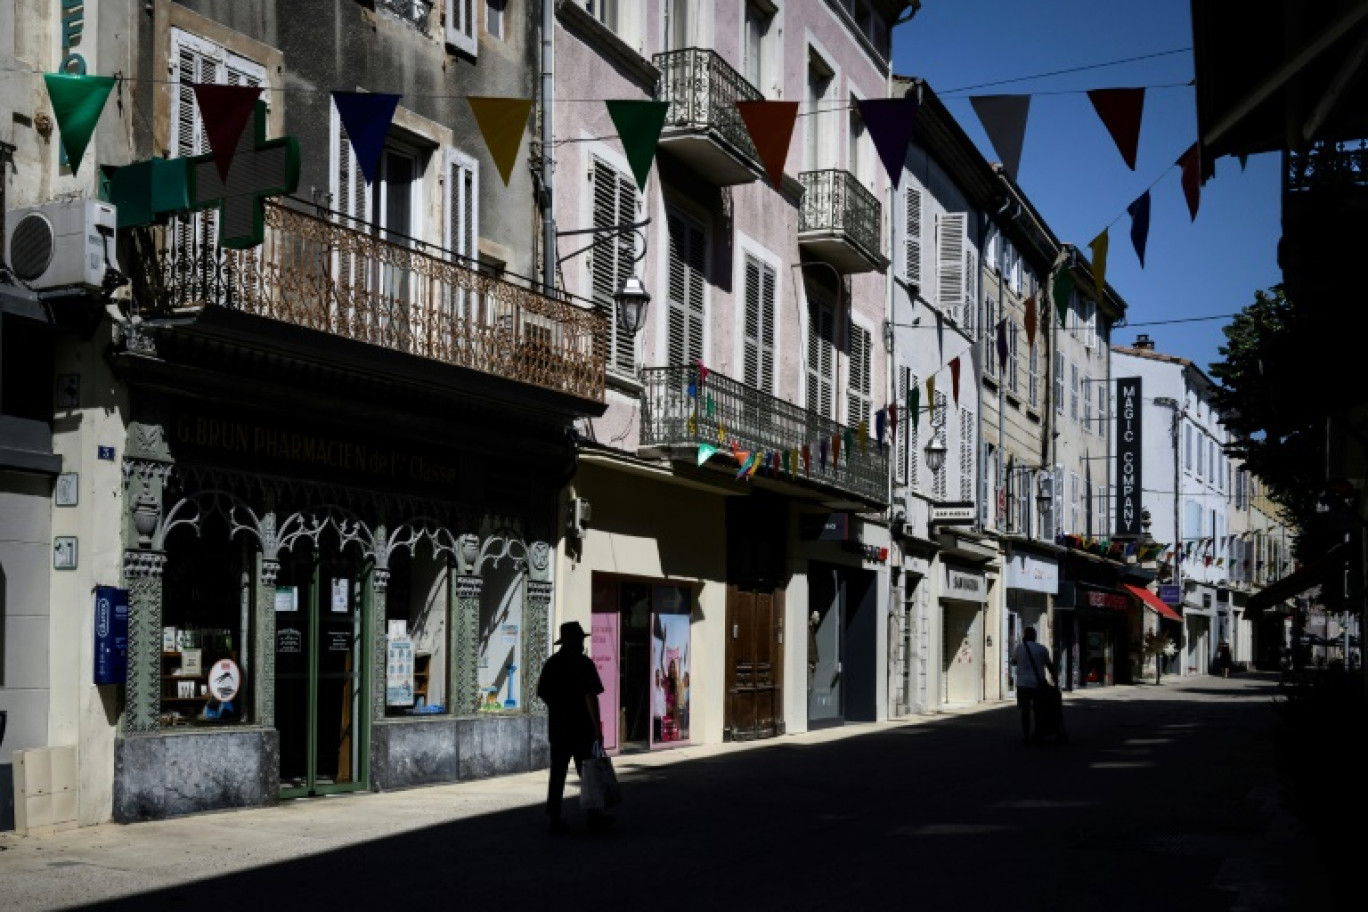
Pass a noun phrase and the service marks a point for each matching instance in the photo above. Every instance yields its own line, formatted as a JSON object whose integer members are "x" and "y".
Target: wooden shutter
{"x": 460, "y": 26}
{"x": 950, "y": 264}
{"x": 912, "y": 240}
{"x": 462, "y": 207}
{"x": 989, "y": 340}
{"x": 966, "y": 449}
{"x": 938, "y": 420}
{"x": 759, "y": 342}
{"x": 968, "y": 314}
{"x": 613, "y": 256}
{"x": 857, "y": 399}
{"x": 688, "y": 260}
{"x": 913, "y": 435}
{"x": 821, "y": 332}
{"x": 904, "y": 426}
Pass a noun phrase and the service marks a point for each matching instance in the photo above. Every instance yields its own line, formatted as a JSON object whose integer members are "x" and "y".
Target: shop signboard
{"x": 1170, "y": 594}
{"x": 1128, "y": 453}
{"x": 969, "y": 587}
{"x": 1033, "y": 574}
{"x": 824, "y": 526}
{"x": 953, "y": 514}
{"x": 111, "y": 635}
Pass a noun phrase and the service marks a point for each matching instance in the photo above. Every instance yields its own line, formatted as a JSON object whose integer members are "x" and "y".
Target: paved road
{"x": 1163, "y": 799}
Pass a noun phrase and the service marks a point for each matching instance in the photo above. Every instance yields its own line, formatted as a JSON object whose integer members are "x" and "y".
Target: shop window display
{"x": 207, "y": 608}
{"x": 417, "y": 614}
{"x": 501, "y": 620}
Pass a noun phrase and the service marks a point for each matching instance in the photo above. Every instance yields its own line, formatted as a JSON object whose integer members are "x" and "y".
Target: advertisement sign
{"x": 670, "y": 632}
{"x": 1128, "y": 453}
{"x": 1033, "y": 574}
{"x": 953, "y": 514}
{"x": 969, "y": 587}
{"x": 824, "y": 526}
{"x": 1170, "y": 594}
{"x": 111, "y": 635}
{"x": 399, "y": 671}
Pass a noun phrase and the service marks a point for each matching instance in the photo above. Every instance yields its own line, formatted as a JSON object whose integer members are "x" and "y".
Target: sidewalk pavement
{"x": 94, "y": 864}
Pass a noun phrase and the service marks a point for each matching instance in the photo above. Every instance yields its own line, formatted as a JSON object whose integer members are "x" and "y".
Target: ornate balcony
{"x": 840, "y": 221}
{"x": 316, "y": 273}
{"x": 702, "y": 125}
{"x": 1325, "y": 201}
{"x": 679, "y": 412}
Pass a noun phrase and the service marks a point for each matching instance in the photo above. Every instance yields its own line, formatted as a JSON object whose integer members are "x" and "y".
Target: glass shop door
{"x": 322, "y": 715}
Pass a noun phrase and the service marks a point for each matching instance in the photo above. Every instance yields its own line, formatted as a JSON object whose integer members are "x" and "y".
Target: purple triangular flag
{"x": 366, "y": 116}
{"x": 1140, "y": 215}
{"x": 891, "y": 123}
{"x": 1004, "y": 120}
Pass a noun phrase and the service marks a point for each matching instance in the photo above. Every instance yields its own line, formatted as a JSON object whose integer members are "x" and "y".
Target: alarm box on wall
{"x": 64, "y": 244}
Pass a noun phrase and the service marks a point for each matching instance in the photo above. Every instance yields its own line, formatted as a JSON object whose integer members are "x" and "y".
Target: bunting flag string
{"x": 224, "y": 111}
{"x": 1031, "y": 320}
{"x": 770, "y": 124}
{"x": 1140, "y": 219}
{"x": 1062, "y": 292}
{"x": 914, "y": 407}
{"x": 891, "y": 123}
{"x": 1004, "y": 120}
{"x": 705, "y": 452}
{"x": 76, "y": 105}
{"x": 1098, "y": 246}
{"x": 638, "y": 124}
{"x": 1002, "y": 349}
{"x": 366, "y": 119}
{"x": 955, "y": 378}
{"x": 1191, "y": 163}
{"x": 502, "y": 123}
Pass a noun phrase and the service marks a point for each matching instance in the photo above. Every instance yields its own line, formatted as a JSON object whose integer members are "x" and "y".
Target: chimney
{"x": 1144, "y": 342}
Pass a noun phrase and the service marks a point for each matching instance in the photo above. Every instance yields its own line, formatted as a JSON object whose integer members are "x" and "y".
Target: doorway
{"x": 962, "y": 652}
{"x": 755, "y": 627}
{"x": 826, "y": 611}
{"x": 320, "y": 708}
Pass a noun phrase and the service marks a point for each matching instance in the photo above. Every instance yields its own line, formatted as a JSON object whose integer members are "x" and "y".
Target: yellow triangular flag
{"x": 1098, "y": 246}
{"x": 931, "y": 395}
{"x": 502, "y": 122}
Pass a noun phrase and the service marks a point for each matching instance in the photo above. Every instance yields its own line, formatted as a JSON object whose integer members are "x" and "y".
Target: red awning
{"x": 1152, "y": 601}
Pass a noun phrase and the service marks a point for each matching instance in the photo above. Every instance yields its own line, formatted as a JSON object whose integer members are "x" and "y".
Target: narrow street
{"x": 1163, "y": 798}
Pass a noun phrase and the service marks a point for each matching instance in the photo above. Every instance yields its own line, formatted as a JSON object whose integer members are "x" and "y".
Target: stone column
{"x": 463, "y": 648}
{"x": 265, "y": 647}
{"x": 380, "y": 639}
{"x": 536, "y": 642}
{"x": 143, "y": 577}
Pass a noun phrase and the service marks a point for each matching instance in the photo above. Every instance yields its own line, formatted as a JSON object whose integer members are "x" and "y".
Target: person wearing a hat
{"x": 570, "y": 685}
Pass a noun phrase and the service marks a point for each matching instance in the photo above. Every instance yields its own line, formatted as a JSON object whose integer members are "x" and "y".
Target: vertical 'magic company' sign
{"x": 1128, "y": 495}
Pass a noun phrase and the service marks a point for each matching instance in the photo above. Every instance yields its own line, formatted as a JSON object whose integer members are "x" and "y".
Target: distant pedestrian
{"x": 1032, "y": 659}
{"x": 570, "y": 685}
{"x": 1223, "y": 659}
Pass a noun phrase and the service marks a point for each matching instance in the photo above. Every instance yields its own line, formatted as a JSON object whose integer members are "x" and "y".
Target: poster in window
{"x": 670, "y": 666}
{"x": 399, "y": 672}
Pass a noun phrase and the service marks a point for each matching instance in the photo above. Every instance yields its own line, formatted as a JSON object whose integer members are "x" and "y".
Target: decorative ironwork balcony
{"x": 678, "y": 409}
{"x": 702, "y": 125}
{"x": 397, "y": 293}
{"x": 840, "y": 221}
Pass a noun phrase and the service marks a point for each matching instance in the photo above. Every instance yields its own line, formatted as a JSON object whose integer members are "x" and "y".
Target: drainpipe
{"x": 548, "y": 26}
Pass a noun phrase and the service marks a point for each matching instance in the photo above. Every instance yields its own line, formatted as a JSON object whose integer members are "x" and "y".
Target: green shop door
{"x": 321, "y": 711}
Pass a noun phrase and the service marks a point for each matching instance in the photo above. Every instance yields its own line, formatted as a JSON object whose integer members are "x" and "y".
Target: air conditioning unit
{"x": 63, "y": 244}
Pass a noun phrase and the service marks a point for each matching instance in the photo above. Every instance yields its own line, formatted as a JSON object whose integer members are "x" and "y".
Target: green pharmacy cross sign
{"x": 261, "y": 167}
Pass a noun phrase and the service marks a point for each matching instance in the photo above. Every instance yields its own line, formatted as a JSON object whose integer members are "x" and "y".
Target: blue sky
{"x": 1071, "y": 169}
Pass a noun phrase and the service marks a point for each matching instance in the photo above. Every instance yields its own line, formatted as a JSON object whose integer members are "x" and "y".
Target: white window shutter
{"x": 613, "y": 256}
{"x": 900, "y": 435}
{"x": 950, "y": 264}
{"x": 857, "y": 401}
{"x": 821, "y": 332}
{"x": 460, "y": 26}
{"x": 686, "y": 292}
{"x": 462, "y": 205}
{"x": 759, "y": 336}
{"x": 912, "y": 240}
{"x": 969, "y": 306}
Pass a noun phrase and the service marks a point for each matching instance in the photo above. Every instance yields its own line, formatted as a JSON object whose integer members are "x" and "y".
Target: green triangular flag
{"x": 1062, "y": 292}
{"x": 638, "y": 125}
{"x": 705, "y": 452}
{"x": 76, "y": 105}
{"x": 914, "y": 406}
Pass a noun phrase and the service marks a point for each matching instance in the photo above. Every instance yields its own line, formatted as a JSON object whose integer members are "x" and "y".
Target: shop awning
{"x": 1313, "y": 574}
{"x": 1152, "y": 601}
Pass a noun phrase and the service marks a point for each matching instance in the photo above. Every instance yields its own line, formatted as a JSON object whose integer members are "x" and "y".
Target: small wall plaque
{"x": 64, "y": 552}
{"x": 106, "y": 453}
{"x": 68, "y": 489}
{"x": 69, "y": 391}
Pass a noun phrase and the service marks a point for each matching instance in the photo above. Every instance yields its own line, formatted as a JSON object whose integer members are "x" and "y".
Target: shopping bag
{"x": 593, "y": 791}
{"x": 612, "y": 790}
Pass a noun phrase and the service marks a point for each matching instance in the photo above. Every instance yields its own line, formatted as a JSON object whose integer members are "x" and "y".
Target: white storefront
{"x": 1031, "y": 581}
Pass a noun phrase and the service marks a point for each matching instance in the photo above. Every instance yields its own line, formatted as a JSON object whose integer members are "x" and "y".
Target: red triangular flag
{"x": 1191, "y": 163}
{"x": 224, "y": 110}
{"x": 1031, "y": 320}
{"x": 770, "y": 124}
{"x": 954, "y": 379}
{"x": 1120, "y": 110}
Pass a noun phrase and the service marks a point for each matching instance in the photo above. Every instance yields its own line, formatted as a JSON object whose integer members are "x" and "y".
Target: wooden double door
{"x": 755, "y": 663}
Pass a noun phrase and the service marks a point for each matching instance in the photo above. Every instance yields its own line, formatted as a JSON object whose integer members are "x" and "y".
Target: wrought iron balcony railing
{"x": 836, "y": 201}
{"x": 1327, "y": 166}
{"x": 702, "y": 90}
{"x": 678, "y": 409}
{"x": 393, "y": 292}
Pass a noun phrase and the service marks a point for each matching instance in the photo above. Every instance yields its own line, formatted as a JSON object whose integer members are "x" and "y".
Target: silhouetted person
{"x": 1223, "y": 659}
{"x": 1032, "y": 660}
{"x": 570, "y": 685}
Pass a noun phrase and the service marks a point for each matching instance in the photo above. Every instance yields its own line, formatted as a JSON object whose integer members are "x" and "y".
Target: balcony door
{"x": 394, "y": 207}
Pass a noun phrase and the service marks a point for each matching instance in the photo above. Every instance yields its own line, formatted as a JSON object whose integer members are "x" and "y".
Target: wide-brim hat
{"x": 571, "y": 630}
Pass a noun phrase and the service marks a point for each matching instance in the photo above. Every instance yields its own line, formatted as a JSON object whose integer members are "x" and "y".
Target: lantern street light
{"x": 935, "y": 453}
{"x": 631, "y": 298}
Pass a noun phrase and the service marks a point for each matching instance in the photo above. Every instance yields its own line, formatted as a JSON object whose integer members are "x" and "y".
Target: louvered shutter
{"x": 989, "y": 342}
{"x": 759, "y": 341}
{"x": 460, "y": 26}
{"x": 913, "y": 438}
{"x": 900, "y": 435}
{"x": 462, "y": 207}
{"x": 938, "y": 420}
{"x": 687, "y": 263}
{"x": 966, "y": 449}
{"x": 821, "y": 325}
{"x": 613, "y": 255}
{"x": 968, "y": 316}
{"x": 950, "y": 264}
{"x": 912, "y": 241}
{"x": 857, "y": 399}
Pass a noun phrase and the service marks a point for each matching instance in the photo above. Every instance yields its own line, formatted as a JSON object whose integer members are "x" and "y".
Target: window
{"x": 857, "y": 402}
{"x": 904, "y": 425}
{"x": 1187, "y": 447}
{"x": 1074, "y": 521}
{"x": 1201, "y": 457}
{"x": 462, "y": 207}
{"x": 1011, "y": 367}
{"x": 688, "y": 264}
{"x": 1087, "y": 406}
{"x": 856, "y": 134}
{"x": 820, "y": 77}
{"x": 1034, "y": 361}
{"x": 989, "y": 341}
{"x": 759, "y": 354}
{"x": 950, "y": 264}
{"x": 614, "y": 255}
{"x": 756, "y": 27}
{"x": 417, "y": 606}
{"x": 821, "y": 356}
{"x": 1059, "y": 383}
{"x": 912, "y": 240}
{"x": 494, "y": 18}
{"x": 1073, "y": 391}
{"x": 605, "y": 11}
{"x": 460, "y": 26}
{"x": 968, "y": 315}
{"x": 1102, "y": 411}
{"x": 680, "y": 23}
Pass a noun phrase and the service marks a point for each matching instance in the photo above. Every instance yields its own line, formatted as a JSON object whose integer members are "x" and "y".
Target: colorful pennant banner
{"x": 76, "y": 105}
{"x": 502, "y": 123}
{"x": 366, "y": 118}
{"x": 770, "y": 124}
{"x": 638, "y": 125}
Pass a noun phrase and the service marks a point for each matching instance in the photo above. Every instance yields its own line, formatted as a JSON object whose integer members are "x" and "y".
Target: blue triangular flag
{"x": 366, "y": 116}
{"x": 1140, "y": 214}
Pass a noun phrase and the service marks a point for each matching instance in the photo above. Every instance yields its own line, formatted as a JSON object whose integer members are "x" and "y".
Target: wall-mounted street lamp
{"x": 632, "y": 298}
{"x": 935, "y": 453}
